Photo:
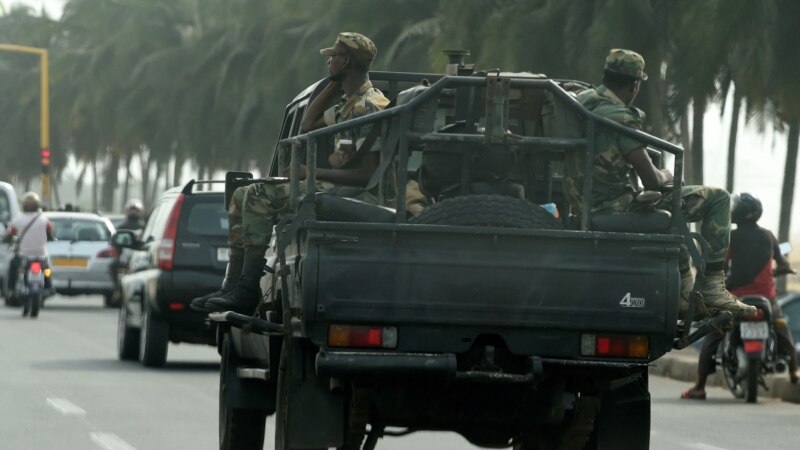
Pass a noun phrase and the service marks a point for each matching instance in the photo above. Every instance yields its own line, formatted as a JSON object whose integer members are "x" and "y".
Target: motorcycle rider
{"x": 134, "y": 221}
{"x": 33, "y": 230}
{"x": 750, "y": 256}
{"x": 134, "y": 214}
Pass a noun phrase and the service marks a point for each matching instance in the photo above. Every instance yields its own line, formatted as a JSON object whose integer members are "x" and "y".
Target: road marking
{"x": 65, "y": 407}
{"x": 701, "y": 446}
{"x": 110, "y": 441}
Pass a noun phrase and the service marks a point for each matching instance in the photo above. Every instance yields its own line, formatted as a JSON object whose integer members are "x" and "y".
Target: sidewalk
{"x": 682, "y": 365}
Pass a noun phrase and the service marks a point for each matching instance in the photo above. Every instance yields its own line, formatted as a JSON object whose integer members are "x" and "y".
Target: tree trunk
{"x": 176, "y": 171}
{"x": 698, "y": 116}
{"x": 127, "y": 185}
{"x": 686, "y": 142}
{"x": 200, "y": 176}
{"x": 145, "y": 163}
{"x": 787, "y": 192}
{"x": 734, "y": 131}
{"x": 154, "y": 190}
{"x": 166, "y": 176}
{"x": 110, "y": 182}
{"x": 95, "y": 182}
{"x": 79, "y": 181}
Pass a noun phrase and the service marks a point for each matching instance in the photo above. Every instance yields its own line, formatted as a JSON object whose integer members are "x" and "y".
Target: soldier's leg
{"x": 712, "y": 206}
{"x": 235, "y": 240}
{"x": 262, "y": 207}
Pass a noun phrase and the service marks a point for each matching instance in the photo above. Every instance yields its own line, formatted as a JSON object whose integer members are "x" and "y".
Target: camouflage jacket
{"x": 613, "y": 187}
{"x": 367, "y": 100}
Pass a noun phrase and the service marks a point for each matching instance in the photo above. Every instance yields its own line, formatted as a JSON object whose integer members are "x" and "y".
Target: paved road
{"x": 63, "y": 388}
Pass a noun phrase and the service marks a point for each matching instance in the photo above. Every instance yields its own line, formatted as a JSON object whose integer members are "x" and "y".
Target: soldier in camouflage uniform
{"x": 257, "y": 208}
{"x": 619, "y": 160}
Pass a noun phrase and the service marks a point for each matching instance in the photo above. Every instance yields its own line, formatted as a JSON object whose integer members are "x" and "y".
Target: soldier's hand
{"x": 667, "y": 177}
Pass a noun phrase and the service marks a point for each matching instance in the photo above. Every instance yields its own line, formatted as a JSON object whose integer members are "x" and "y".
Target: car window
{"x": 208, "y": 219}
{"x": 69, "y": 229}
{"x": 5, "y": 208}
{"x": 154, "y": 227}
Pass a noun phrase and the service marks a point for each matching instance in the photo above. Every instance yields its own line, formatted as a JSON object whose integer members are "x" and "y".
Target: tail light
{"x": 109, "y": 252}
{"x": 362, "y": 336}
{"x": 36, "y": 267}
{"x": 166, "y": 249}
{"x": 757, "y": 317}
{"x": 753, "y": 346}
{"x": 615, "y": 345}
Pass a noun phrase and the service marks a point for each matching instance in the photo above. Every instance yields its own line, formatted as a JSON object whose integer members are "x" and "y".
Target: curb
{"x": 682, "y": 365}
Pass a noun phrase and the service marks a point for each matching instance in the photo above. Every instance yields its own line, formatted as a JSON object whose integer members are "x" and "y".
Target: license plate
{"x": 754, "y": 330}
{"x": 70, "y": 262}
{"x": 223, "y": 254}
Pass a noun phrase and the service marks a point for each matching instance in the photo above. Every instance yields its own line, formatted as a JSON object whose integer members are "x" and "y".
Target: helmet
{"x": 30, "y": 202}
{"x": 745, "y": 208}
{"x": 134, "y": 207}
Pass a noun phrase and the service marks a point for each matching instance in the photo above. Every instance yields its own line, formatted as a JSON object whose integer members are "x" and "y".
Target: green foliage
{"x": 207, "y": 80}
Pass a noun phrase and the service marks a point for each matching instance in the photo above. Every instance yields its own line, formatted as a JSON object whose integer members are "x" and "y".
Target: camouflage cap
{"x": 625, "y": 62}
{"x": 357, "y": 45}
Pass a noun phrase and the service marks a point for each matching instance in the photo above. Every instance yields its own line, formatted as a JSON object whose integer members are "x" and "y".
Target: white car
{"x": 9, "y": 210}
{"x": 80, "y": 255}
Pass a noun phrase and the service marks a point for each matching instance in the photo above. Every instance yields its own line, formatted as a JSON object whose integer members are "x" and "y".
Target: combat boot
{"x": 232, "y": 273}
{"x": 716, "y": 297}
{"x": 245, "y": 295}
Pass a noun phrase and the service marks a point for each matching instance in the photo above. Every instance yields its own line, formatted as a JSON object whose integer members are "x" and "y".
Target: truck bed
{"x": 537, "y": 290}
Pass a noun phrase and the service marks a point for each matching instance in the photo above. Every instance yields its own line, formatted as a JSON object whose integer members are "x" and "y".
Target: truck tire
{"x": 488, "y": 211}
{"x": 282, "y": 415}
{"x": 153, "y": 338}
{"x": 239, "y": 429}
{"x": 127, "y": 337}
{"x": 753, "y": 369}
{"x": 623, "y": 420}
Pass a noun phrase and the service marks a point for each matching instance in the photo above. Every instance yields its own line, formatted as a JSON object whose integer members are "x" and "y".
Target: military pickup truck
{"x": 510, "y": 323}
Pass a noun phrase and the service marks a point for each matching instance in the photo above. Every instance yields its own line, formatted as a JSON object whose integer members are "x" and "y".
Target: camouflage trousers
{"x": 256, "y": 209}
{"x": 712, "y": 206}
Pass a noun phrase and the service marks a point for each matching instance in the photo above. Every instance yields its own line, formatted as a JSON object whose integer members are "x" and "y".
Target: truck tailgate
{"x": 497, "y": 278}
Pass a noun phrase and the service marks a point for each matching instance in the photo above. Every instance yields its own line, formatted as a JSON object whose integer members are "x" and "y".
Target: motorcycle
{"x": 30, "y": 288}
{"x": 749, "y": 351}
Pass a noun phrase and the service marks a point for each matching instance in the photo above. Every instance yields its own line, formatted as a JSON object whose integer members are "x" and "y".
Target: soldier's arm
{"x": 652, "y": 178}
{"x": 313, "y": 117}
{"x": 358, "y": 175}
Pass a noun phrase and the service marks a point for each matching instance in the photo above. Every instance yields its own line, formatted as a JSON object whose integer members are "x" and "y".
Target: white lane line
{"x": 701, "y": 446}
{"x": 110, "y": 441}
{"x": 65, "y": 407}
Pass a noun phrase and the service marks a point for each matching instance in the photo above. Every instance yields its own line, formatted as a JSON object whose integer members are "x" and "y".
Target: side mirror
{"x": 124, "y": 239}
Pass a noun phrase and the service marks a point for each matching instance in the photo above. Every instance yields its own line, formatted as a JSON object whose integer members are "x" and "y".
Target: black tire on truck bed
{"x": 488, "y": 211}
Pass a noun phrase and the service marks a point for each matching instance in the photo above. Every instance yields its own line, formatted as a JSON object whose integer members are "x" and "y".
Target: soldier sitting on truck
{"x": 257, "y": 208}
{"x": 619, "y": 159}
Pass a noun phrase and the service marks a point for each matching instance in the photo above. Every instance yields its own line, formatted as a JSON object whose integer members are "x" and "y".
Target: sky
{"x": 53, "y": 7}
{"x": 760, "y": 161}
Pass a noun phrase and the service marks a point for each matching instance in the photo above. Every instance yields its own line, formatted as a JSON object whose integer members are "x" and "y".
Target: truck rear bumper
{"x": 344, "y": 363}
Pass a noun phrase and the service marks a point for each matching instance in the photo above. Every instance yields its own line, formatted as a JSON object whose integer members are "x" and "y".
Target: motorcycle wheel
{"x": 26, "y": 306}
{"x": 753, "y": 369}
{"x": 36, "y": 302}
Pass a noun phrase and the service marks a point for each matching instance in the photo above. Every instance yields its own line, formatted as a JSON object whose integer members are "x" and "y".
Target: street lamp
{"x": 44, "y": 133}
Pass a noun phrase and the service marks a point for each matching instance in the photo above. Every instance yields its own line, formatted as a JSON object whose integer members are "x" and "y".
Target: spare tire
{"x": 488, "y": 211}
